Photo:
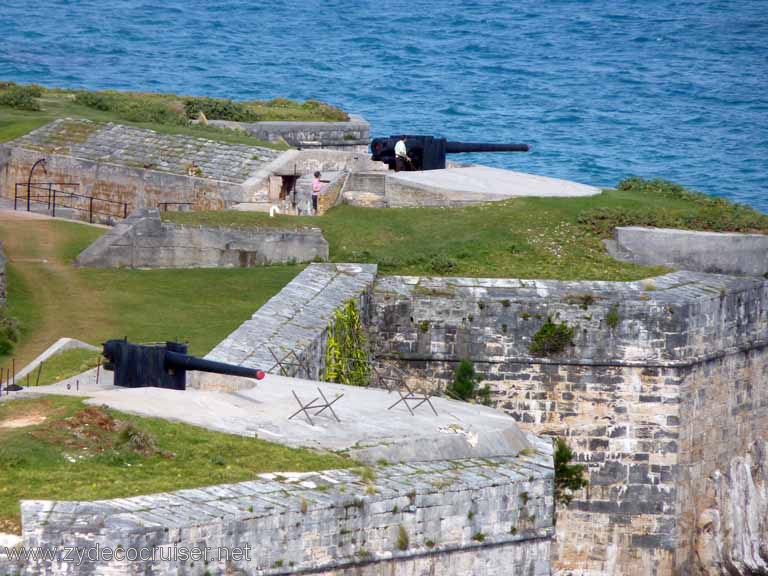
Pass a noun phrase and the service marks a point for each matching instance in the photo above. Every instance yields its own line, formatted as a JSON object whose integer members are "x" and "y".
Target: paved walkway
{"x": 492, "y": 183}
{"x": 368, "y": 430}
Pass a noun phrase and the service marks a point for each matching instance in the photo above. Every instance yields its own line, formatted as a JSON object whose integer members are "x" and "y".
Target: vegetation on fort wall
{"x": 346, "y": 357}
{"x": 551, "y": 338}
{"x": 569, "y": 478}
{"x": 558, "y": 238}
{"x": 26, "y": 107}
{"x": 56, "y": 447}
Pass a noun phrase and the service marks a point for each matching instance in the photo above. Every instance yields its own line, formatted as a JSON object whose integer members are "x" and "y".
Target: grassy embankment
{"x": 557, "y": 238}
{"x": 55, "y": 447}
{"x": 26, "y": 107}
{"x": 51, "y": 299}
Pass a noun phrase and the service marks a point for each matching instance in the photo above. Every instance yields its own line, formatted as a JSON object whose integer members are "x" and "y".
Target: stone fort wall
{"x": 485, "y": 517}
{"x": 662, "y": 396}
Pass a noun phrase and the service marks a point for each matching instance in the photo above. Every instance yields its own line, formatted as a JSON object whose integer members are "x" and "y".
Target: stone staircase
{"x": 366, "y": 189}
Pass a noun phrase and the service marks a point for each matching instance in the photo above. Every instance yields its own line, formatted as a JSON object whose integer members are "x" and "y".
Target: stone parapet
{"x": 714, "y": 252}
{"x": 296, "y": 320}
{"x": 143, "y": 240}
{"x": 355, "y": 134}
{"x": 488, "y": 517}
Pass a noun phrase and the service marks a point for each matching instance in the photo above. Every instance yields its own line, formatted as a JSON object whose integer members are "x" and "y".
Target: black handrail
{"x": 163, "y": 206}
{"x": 52, "y": 196}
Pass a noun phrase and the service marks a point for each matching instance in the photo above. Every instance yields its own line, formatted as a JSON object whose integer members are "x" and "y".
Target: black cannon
{"x": 428, "y": 152}
{"x": 162, "y": 365}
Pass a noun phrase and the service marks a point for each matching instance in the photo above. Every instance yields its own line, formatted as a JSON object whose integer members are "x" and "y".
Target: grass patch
{"x": 24, "y": 108}
{"x": 65, "y": 365}
{"x": 56, "y": 447}
{"x": 51, "y": 299}
{"x": 559, "y": 238}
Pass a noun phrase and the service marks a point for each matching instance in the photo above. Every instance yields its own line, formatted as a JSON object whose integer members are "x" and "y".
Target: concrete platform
{"x": 481, "y": 183}
{"x": 368, "y": 431}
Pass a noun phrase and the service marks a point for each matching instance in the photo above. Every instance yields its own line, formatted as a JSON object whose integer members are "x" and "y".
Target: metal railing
{"x": 53, "y": 195}
{"x": 163, "y": 206}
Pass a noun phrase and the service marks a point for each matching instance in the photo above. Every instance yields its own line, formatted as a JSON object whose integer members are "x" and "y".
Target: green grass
{"x": 197, "y": 306}
{"x": 94, "y": 453}
{"x": 163, "y": 113}
{"x": 558, "y": 238}
{"x": 64, "y": 365}
{"x": 51, "y": 299}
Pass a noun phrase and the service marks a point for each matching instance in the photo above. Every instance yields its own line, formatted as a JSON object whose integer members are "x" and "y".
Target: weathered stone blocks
{"x": 144, "y": 241}
{"x": 661, "y": 403}
{"x": 490, "y": 517}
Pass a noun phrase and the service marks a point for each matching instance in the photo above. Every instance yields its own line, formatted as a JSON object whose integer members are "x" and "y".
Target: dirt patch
{"x": 26, "y": 414}
{"x": 23, "y": 421}
{"x": 94, "y": 430}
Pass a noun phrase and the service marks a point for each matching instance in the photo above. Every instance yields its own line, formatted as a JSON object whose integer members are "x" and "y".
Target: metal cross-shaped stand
{"x": 388, "y": 376}
{"x": 316, "y": 404}
{"x": 411, "y": 396}
{"x": 287, "y": 366}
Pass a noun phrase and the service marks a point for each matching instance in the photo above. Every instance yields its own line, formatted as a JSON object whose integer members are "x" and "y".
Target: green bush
{"x": 9, "y": 333}
{"x": 134, "y": 107}
{"x": 442, "y": 264}
{"x": 568, "y": 477}
{"x": 704, "y": 213}
{"x": 613, "y": 318}
{"x": 551, "y": 338}
{"x": 220, "y": 109}
{"x": 464, "y": 382}
{"x": 21, "y": 97}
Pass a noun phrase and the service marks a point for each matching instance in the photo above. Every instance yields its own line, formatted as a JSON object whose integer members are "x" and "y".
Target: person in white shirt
{"x": 402, "y": 161}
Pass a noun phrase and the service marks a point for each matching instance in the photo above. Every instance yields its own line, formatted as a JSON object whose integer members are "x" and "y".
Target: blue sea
{"x": 601, "y": 89}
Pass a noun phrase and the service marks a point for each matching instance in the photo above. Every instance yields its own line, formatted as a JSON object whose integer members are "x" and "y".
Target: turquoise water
{"x": 601, "y": 89}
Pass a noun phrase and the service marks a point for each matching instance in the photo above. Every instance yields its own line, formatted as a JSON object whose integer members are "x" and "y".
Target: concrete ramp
{"x": 466, "y": 185}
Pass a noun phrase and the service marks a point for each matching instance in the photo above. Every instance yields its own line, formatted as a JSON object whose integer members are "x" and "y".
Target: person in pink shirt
{"x": 316, "y": 187}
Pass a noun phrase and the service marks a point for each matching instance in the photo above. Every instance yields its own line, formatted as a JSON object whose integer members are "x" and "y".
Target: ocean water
{"x": 601, "y": 89}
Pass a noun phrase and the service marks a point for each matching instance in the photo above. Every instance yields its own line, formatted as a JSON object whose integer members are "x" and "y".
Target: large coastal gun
{"x": 162, "y": 365}
{"x": 428, "y": 152}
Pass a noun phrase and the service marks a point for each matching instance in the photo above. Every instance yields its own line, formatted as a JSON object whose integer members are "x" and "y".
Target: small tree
{"x": 568, "y": 477}
{"x": 464, "y": 382}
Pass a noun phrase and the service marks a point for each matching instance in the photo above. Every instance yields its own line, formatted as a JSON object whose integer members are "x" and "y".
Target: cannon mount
{"x": 162, "y": 365}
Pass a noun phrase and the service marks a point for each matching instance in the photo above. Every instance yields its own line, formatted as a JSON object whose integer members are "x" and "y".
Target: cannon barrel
{"x": 428, "y": 152}
{"x": 187, "y": 362}
{"x": 162, "y": 365}
{"x": 461, "y": 147}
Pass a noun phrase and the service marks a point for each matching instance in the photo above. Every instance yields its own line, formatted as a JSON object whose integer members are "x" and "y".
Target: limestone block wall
{"x": 145, "y": 241}
{"x": 690, "y": 250}
{"x": 618, "y": 394}
{"x": 490, "y": 517}
{"x": 296, "y": 319}
{"x": 723, "y": 487}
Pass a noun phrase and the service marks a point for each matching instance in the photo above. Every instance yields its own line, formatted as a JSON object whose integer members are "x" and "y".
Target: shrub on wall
{"x": 9, "y": 333}
{"x": 568, "y": 477}
{"x": 464, "y": 385}
{"x": 551, "y": 338}
{"x": 346, "y": 356}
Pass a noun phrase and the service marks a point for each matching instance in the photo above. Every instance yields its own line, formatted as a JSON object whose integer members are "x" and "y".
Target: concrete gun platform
{"x": 368, "y": 431}
{"x": 483, "y": 183}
